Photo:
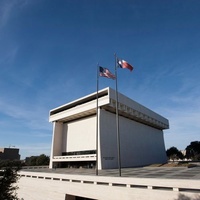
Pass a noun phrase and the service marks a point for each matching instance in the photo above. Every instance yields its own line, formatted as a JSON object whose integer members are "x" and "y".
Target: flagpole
{"x": 117, "y": 119}
{"x": 97, "y": 119}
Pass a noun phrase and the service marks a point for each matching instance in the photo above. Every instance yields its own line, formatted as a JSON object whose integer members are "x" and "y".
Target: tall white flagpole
{"x": 117, "y": 119}
{"x": 97, "y": 119}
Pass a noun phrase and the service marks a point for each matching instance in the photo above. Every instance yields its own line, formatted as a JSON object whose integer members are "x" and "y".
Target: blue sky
{"x": 50, "y": 49}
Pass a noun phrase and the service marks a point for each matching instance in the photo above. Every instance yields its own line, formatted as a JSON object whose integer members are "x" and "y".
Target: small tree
{"x": 8, "y": 178}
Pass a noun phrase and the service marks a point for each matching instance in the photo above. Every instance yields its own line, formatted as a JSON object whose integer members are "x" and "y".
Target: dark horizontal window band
{"x": 73, "y": 153}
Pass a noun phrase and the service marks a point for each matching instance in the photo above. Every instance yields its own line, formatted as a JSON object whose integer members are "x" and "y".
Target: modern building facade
{"x": 74, "y": 144}
{"x": 9, "y": 154}
{"x": 84, "y": 136}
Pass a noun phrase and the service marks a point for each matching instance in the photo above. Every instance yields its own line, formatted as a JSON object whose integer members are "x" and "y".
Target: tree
{"x": 8, "y": 178}
{"x": 31, "y": 161}
{"x": 42, "y": 160}
{"x": 173, "y": 153}
{"x": 37, "y": 160}
{"x": 193, "y": 150}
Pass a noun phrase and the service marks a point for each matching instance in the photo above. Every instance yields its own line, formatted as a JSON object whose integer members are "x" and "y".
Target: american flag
{"x": 104, "y": 72}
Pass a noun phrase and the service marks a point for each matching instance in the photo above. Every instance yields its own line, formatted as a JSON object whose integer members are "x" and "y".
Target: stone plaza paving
{"x": 152, "y": 182}
{"x": 140, "y": 172}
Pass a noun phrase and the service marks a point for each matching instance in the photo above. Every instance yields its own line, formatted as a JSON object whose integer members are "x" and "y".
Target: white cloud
{"x": 174, "y": 93}
{"x": 184, "y": 119}
{"x": 34, "y": 149}
{"x": 35, "y": 117}
{"x": 8, "y": 54}
{"x": 8, "y": 7}
{"x": 5, "y": 12}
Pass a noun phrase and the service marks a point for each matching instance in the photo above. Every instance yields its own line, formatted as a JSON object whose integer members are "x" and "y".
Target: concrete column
{"x": 56, "y": 147}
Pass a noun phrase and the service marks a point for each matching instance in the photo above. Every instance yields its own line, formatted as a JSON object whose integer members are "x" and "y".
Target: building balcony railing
{"x": 87, "y": 157}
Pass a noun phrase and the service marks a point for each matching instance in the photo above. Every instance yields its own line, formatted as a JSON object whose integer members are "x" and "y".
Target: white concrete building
{"x": 74, "y": 144}
{"x": 74, "y": 141}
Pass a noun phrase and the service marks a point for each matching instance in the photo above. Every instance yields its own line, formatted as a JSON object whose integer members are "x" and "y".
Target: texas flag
{"x": 123, "y": 64}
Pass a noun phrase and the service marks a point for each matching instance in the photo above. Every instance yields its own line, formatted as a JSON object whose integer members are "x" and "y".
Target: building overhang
{"x": 87, "y": 106}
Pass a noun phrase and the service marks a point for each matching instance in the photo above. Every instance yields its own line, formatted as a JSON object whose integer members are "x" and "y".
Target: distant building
{"x": 9, "y": 154}
{"x": 74, "y": 142}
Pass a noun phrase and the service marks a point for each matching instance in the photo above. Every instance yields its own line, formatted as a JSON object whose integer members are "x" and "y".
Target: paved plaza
{"x": 141, "y": 172}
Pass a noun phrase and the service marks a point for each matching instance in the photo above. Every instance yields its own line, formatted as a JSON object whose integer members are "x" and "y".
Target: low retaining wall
{"x": 51, "y": 186}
